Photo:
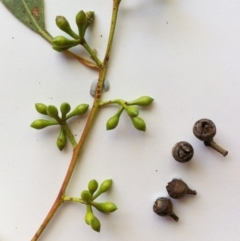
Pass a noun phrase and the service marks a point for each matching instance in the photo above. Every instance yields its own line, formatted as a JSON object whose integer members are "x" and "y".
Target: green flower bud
{"x": 139, "y": 123}
{"x": 86, "y": 196}
{"x": 107, "y": 207}
{"x": 41, "y": 108}
{"x": 52, "y": 111}
{"x": 79, "y": 110}
{"x": 89, "y": 217}
{"x": 81, "y": 21}
{"x": 64, "y": 25}
{"x": 113, "y": 121}
{"x": 41, "y": 123}
{"x": 62, "y": 140}
{"x": 132, "y": 111}
{"x": 62, "y": 42}
{"x": 105, "y": 186}
{"x": 65, "y": 108}
{"x": 92, "y": 186}
{"x": 142, "y": 101}
{"x": 95, "y": 224}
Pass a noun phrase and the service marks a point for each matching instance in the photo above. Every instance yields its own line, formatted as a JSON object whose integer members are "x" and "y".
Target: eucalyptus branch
{"x": 102, "y": 73}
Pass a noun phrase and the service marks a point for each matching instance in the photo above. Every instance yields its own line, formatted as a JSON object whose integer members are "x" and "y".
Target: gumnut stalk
{"x": 163, "y": 207}
{"x": 205, "y": 130}
{"x": 182, "y": 151}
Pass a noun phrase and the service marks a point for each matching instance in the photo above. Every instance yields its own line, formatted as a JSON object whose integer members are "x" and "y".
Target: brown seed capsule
{"x": 205, "y": 130}
{"x": 163, "y": 207}
{"x": 182, "y": 151}
{"x": 178, "y": 188}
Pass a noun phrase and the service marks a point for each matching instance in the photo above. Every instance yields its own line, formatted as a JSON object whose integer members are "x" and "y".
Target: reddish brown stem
{"x": 91, "y": 117}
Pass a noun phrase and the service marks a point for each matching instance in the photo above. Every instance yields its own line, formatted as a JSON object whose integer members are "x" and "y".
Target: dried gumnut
{"x": 205, "y": 130}
{"x": 178, "y": 188}
{"x": 163, "y": 207}
{"x": 182, "y": 151}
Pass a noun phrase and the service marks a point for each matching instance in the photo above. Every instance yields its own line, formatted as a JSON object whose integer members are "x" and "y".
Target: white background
{"x": 186, "y": 55}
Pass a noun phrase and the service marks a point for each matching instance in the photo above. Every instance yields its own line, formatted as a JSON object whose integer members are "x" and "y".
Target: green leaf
{"x": 31, "y": 13}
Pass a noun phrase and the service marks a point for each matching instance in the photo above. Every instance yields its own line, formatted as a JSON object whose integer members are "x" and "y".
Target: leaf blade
{"x": 29, "y": 12}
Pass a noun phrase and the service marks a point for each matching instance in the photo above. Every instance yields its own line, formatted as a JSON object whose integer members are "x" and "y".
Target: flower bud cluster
{"x": 53, "y": 113}
{"x": 83, "y": 21}
{"x": 88, "y": 197}
{"x": 132, "y": 111}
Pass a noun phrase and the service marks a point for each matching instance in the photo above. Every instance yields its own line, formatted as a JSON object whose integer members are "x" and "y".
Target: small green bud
{"x": 112, "y": 122}
{"x": 64, "y": 25}
{"x": 86, "y": 196}
{"x": 81, "y": 21}
{"x": 132, "y": 111}
{"x": 92, "y": 186}
{"x": 89, "y": 217}
{"x": 61, "y": 140}
{"x": 41, "y": 108}
{"x": 79, "y": 110}
{"x": 139, "y": 123}
{"x": 107, "y": 207}
{"x": 105, "y": 186}
{"x": 65, "y": 108}
{"x": 142, "y": 101}
{"x": 41, "y": 123}
{"x": 62, "y": 42}
{"x": 52, "y": 111}
{"x": 95, "y": 224}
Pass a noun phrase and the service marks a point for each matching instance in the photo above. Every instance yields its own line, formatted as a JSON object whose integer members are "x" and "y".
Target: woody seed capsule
{"x": 178, "y": 188}
{"x": 182, "y": 151}
{"x": 205, "y": 130}
{"x": 163, "y": 207}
